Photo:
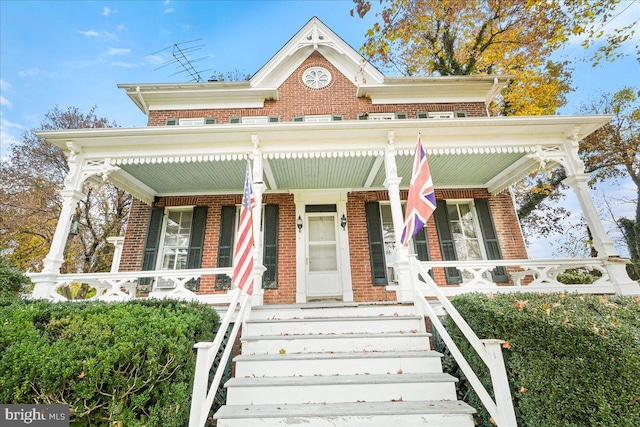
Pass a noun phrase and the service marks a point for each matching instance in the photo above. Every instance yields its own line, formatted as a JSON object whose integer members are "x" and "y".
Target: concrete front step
{"x": 338, "y": 325}
{"x": 315, "y": 310}
{"x": 301, "y": 364}
{"x": 284, "y": 344}
{"x": 340, "y": 388}
{"x": 358, "y": 414}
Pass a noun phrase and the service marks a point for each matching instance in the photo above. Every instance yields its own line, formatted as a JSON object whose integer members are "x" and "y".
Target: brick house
{"x": 331, "y": 143}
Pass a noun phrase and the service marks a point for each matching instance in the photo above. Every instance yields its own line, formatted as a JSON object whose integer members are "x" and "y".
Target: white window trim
{"x": 254, "y": 120}
{"x": 382, "y": 116}
{"x": 191, "y": 121}
{"x": 163, "y": 233}
{"x": 476, "y": 222}
{"x": 441, "y": 115}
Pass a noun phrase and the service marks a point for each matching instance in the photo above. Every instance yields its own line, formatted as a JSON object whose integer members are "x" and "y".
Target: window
{"x": 382, "y": 116}
{"x": 382, "y": 240}
{"x": 465, "y": 231}
{"x": 441, "y": 115}
{"x": 255, "y": 120}
{"x": 191, "y": 121}
{"x": 318, "y": 118}
{"x": 230, "y": 216}
{"x": 175, "y": 241}
{"x": 316, "y": 77}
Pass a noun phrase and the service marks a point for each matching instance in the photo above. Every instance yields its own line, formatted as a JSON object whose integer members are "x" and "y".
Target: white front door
{"x": 322, "y": 264}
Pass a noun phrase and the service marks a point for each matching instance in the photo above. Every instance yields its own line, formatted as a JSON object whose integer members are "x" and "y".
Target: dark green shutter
{"x": 376, "y": 243}
{"x": 196, "y": 243}
{"x": 447, "y": 245}
{"x": 490, "y": 239}
{"x": 421, "y": 245}
{"x": 151, "y": 244}
{"x": 225, "y": 244}
{"x": 270, "y": 255}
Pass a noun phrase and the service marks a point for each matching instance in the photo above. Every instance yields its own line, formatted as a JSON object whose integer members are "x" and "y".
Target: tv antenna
{"x": 181, "y": 61}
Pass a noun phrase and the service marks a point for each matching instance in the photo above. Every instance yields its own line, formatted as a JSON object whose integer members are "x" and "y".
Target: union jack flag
{"x": 421, "y": 201}
{"x": 243, "y": 255}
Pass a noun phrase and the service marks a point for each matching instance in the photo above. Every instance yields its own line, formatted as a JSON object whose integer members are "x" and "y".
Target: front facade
{"x": 330, "y": 141}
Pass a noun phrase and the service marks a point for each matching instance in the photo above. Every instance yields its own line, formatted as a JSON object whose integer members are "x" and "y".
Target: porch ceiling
{"x": 367, "y": 171}
{"x": 491, "y": 152}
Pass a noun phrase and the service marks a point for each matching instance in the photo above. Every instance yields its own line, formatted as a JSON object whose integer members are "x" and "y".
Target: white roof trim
{"x": 188, "y": 96}
{"x": 398, "y": 90}
{"x": 316, "y": 36}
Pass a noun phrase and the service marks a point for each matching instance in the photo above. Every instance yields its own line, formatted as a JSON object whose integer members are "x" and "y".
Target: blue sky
{"x": 74, "y": 53}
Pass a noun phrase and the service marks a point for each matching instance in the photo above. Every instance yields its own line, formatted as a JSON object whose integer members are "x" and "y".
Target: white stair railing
{"x": 490, "y": 351}
{"x": 203, "y": 393}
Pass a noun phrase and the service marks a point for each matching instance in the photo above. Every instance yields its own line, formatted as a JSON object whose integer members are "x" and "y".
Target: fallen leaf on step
{"x": 397, "y": 400}
{"x": 283, "y": 351}
{"x": 400, "y": 371}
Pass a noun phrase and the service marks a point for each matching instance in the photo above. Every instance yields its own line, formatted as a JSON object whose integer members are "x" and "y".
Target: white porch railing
{"x": 203, "y": 392}
{"x": 122, "y": 286}
{"x": 525, "y": 275}
{"x": 490, "y": 351}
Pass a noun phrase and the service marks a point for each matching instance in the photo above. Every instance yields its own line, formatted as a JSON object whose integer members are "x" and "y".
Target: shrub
{"x": 572, "y": 360}
{"x": 128, "y": 364}
{"x": 12, "y": 282}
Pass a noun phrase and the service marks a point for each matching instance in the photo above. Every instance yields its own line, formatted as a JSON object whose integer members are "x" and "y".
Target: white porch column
{"x": 392, "y": 184}
{"x": 71, "y": 195}
{"x": 258, "y": 238}
{"x": 577, "y": 179}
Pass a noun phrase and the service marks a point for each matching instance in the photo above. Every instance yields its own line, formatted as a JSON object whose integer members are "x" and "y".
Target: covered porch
{"x": 321, "y": 164}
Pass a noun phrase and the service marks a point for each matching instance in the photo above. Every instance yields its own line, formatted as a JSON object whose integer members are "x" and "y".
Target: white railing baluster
{"x": 203, "y": 393}
{"x": 500, "y": 410}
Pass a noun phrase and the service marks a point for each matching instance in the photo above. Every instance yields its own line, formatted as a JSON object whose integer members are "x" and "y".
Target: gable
{"x": 338, "y": 97}
{"x": 315, "y": 36}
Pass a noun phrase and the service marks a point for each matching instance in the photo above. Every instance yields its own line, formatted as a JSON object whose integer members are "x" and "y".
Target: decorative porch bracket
{"x": 577, "y": 179}
{"x": 80, "y": 170}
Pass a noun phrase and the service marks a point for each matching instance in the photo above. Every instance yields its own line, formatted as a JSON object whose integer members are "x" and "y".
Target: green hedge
{"x": 12, "y": 282}
{"x": 572, "y": 360}
{"x": 122, "y": 364}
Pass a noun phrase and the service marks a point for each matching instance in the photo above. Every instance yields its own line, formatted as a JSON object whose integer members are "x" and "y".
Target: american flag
{"x": 243, "y": 255}
{"x": 422, "y": 199}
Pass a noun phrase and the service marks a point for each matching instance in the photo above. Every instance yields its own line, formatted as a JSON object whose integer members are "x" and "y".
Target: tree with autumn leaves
{"x": 30, "y": 179}
{"x": 517, "y": 38}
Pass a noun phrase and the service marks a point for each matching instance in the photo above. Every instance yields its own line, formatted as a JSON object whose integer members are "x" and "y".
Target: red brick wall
{"x": 363, "y": 290}
{"x": 504, "y": 217}
{"x": 296, "y": 99}
{"x": 137, "y": 230}
{"x": 511, "y": 242}
{"x": 286, "y": 291}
